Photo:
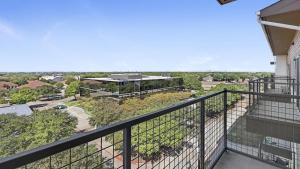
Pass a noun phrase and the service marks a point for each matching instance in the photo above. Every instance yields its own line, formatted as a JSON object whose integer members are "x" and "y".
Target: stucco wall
{"x": 294, "y": 52}
{"x": 281, "y": 68}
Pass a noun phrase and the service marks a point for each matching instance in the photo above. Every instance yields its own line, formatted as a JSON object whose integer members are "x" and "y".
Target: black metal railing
{"x": 276, "y": 85}
{"x": 175, "y": 137}
{"x": 266, "y": 128}
{"x": 279, "y": 85}
{"x": 192, "y": 134}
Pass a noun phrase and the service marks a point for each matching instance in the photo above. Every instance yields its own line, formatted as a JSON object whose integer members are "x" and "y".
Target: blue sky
{"x": 132, "y": 35}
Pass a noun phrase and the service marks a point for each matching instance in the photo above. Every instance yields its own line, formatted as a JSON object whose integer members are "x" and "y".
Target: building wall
{"x": 281, "y": 68}
{"x": 294, "y": 52}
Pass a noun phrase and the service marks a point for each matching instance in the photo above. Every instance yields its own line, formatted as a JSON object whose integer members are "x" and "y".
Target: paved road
{"x": 82, "y": 117}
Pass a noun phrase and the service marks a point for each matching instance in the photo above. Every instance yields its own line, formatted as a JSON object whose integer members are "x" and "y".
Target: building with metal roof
{"x": 19, "y": 109}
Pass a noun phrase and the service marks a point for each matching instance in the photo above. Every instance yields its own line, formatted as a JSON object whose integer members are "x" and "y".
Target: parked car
{"x": 51, "y": 97}
{"x": 60, "y": 107}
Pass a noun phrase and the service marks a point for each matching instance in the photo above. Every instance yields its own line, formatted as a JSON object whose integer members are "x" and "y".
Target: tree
{"x": 192, "y": 81}
{"x": 49, "y": 126}
{"x": 47, "y": 90}
{"x": 3, "y": 95}
{"x": 151, "y": 143}
{"x": 20, "y": 81}
{"x": 104, "y": 112}
{"x": 23, "y": 96}
{"x": 70, "y": 79}
{"x": 12, "y": 129}
{"x": 72, "y": 89}
{"x": 20, "y": 133}
{"x": 59, "y": 85}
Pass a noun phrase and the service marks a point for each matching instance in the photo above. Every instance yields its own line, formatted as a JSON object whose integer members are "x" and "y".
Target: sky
{"x": 132, "y": 35}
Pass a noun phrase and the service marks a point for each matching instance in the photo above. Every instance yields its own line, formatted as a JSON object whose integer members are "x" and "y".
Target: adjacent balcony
{"x": 228, "y": 129}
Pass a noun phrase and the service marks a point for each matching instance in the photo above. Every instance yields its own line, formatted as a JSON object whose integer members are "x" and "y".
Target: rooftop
{"x": 20, "y": 109}
{"x": 7, "y": 85}
{"x": 34, "y": 84}
{"x": 144, "y": 78}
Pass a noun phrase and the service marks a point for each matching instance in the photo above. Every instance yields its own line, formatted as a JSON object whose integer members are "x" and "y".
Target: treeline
{"x": 214, "y": 108}
{"x": 24, "y": 95}
{"x": 18, "y": 78}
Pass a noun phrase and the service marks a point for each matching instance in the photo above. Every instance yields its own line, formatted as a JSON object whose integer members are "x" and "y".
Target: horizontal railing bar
{"x": 278, "y": 83}
{"x": 39, "y": 153}
{"x": 265, "y": 94}
{"x": 273, "y": 78}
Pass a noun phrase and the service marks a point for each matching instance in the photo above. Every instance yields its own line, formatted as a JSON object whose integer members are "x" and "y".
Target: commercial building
{"x": 53, "y": 78}
{"x": 129, "y": 84}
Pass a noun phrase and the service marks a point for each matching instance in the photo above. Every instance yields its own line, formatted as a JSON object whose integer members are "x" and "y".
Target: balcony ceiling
{"x": 222, "y": 2}
{"x": 286, "y": 12}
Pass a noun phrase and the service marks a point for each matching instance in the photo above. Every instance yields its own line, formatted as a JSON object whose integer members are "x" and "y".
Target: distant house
{"x": 54, "y": 78}
{"x": 208, "y": 79}
{"x": 20, "y": 109}
{"x": 77, "y": 77}
{"x": 34, "y": 84}
{"x": 7, "y": 86}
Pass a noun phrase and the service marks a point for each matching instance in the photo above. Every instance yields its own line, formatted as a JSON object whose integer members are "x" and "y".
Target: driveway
{"x": 83, "y": 118}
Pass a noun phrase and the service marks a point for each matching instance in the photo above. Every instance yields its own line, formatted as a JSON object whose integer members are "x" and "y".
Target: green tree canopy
{"x": 47, "y": 90}
{"x": 59, "y": 85}
{"x": 72, "y": 89}
{"x": 19, "y": 133}
{"x": 70, "y": 79}
{"x": 12, "y": 129}
{"x": 23, "y": 96}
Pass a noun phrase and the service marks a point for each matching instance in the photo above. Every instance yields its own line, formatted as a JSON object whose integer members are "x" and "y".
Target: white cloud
{"x": 7, "y": 30}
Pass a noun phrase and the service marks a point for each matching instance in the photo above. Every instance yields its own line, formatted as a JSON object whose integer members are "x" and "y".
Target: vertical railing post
{"x": 225, "y": 119}
{"x": 257, "y": 91}
{"x": 127, "y": 148}
{"x": 272, "y": 82}
{"x": 259, "y": 85}
{"x": 266, "y": 84}
{"x": 289, "y": 86}
{"x": 201, "y": 143}
{"x": 297, "y": 91}
{"x": 250, "y": 90}
{"x": 293, "y": 87}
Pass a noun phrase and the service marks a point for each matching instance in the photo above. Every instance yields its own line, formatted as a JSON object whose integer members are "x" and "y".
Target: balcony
{"x": 223, "y": 130}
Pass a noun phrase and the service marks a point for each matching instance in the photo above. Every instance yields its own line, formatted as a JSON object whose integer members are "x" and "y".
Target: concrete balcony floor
{"x": 231, "y": 160}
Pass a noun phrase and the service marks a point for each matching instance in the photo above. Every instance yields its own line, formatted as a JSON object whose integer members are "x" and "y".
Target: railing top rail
{"x": 265, "y": 94}
{"x": 277, "y": 83}
{"x": 39, "y": 153}
{"x": 274, "y": 77}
